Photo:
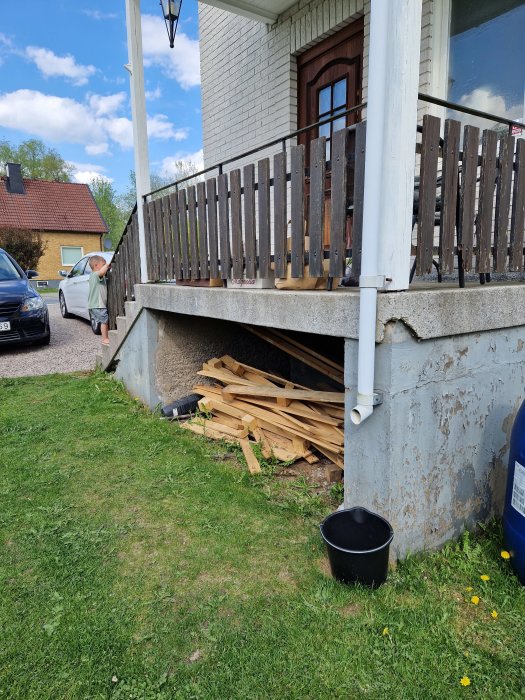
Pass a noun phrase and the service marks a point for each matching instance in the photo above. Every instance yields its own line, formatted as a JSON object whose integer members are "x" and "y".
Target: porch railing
{"x": 277, "y": 216}
{"x": 240, "y": 224}
{"x": 470, "y": 205}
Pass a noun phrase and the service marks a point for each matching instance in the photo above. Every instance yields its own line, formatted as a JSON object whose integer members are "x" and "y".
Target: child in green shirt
{"x": 98, "y": 295}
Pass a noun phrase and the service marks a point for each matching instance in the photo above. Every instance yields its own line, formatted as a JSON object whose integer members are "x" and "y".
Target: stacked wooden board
{"x": 288, "y": 421}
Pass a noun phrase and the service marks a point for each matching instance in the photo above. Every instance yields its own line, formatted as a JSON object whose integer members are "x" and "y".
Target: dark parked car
{"x": 24, "y": 316}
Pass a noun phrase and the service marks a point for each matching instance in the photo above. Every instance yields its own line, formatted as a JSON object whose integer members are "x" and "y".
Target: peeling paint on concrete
{"x": 433, "y": 457}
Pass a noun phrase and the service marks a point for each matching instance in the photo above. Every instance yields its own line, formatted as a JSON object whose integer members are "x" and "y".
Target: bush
{"x": 24, "y": 245}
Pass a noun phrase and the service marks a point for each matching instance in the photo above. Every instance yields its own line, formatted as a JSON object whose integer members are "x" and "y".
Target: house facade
{"x": 64, "y": 213}
{"x": 261, "y": 68}
{"x": 403, "y": 113}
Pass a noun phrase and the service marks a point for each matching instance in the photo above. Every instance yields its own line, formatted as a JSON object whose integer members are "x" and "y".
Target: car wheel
{"x": 63, "y": 306}
{"x": 45, "y": 340}
{"x": 95, "y": 326}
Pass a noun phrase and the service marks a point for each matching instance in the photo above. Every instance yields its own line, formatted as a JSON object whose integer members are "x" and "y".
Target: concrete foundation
{"x": 433, "y": 457}
{"x": 449, "y": 363}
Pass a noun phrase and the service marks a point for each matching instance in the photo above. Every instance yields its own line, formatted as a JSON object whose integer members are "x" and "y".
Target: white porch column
{"x": 138, "y": 113}
{"x": 395, "y": 36}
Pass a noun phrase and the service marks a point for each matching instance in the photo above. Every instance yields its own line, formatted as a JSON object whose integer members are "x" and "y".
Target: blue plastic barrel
{"x": 514, "y": 511}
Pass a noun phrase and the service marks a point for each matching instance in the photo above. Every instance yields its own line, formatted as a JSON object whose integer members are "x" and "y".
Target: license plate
{"x": 5, "y": 326}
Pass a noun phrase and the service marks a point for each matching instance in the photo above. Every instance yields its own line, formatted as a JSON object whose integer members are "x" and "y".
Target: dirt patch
{"x": 352, "y": 610}
{"x": 324, "y": 567}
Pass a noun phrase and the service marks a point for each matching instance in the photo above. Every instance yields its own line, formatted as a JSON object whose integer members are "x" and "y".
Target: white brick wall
{"x": 249, "y": 74}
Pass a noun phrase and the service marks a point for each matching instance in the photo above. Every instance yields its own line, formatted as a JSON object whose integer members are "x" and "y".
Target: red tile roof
{"x": 51, "y": 206}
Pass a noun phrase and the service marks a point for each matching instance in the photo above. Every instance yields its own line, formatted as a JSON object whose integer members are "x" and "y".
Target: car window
{"x": 7, "y": 270}
{"x": 79, "y": 268}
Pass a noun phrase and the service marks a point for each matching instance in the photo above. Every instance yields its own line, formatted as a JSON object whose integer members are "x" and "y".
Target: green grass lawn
{"x": 139, "y": 562}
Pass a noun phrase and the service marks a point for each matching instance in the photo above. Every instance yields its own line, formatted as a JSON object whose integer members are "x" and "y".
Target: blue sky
{"x": 62, "y": 81}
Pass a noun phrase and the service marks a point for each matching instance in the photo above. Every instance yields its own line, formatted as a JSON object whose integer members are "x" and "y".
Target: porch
{"x": 421, "y": 211}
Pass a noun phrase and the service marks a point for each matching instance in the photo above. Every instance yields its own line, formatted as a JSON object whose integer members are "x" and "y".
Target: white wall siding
{"x": 249, "y": 73}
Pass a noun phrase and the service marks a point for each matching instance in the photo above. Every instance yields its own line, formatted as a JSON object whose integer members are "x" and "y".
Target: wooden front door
{"x": 329, "y": 82}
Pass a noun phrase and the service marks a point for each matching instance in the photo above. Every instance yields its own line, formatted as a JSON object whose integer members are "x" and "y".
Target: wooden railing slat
{"x": 236, "y": 223}
{"x": 161, "y": 242}
{"x": 518, "y": 209}
{"x": 297, "y": 210}
{"x": 280, "y": 214}
{"x": 224, "y": 226}
{"x": 211, "y": 196}
{"x": 503, "y": 193}
{"x": 449, "y": 194}
{"x": 339, "y": 196}
{"x": 263, "y": 191}
{"x": 174, "y": 214}
{"x": 147, "y": 237}
{"x": 168, "y": 237}
{"x": 203, "y": 231}
{"x": 317, "y": 205}
{"x": 359, "y": 196}
{"x": 183, "y": 232}
{"x": 489, "y": 141}
{"x": 427, "y": 193}
{"x": 467, "y": 195}
{"x": 192, "y": 219}
{"x": 250, "y": 245}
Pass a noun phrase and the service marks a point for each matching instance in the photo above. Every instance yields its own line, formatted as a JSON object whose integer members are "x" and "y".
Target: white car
{"x": 73, "y": 290}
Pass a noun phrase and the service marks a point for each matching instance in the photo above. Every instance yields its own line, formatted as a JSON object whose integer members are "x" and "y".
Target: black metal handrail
{"x": 282, "y": 140}
{"x": 468, "y": 110}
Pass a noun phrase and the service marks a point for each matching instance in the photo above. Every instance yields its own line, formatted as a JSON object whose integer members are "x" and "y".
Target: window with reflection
{"x": 487, "y": 58}
{"x": 332, "y": 99}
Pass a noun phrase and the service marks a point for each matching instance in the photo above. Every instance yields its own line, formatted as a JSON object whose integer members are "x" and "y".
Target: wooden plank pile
{"x": 289, "y": 421}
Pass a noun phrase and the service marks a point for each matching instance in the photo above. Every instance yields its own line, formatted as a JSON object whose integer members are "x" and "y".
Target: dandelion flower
{"x": 494, "y": 614}
{"x": 484, "y": 577}
{"x": 386, "y": 631}
{"x": 474, "y": 600}
{"x": 465, "y": 681}
{"x": 505, "y": 554}
{"x": 469, "y": 589}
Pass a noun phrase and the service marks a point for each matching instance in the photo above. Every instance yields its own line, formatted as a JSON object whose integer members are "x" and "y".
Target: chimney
{"x": 14, "y": 182}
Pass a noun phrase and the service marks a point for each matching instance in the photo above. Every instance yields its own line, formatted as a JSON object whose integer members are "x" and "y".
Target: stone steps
{"x": 116, "y": 337}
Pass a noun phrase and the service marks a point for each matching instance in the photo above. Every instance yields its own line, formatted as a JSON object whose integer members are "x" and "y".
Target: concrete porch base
{"x": 450, "y": 364}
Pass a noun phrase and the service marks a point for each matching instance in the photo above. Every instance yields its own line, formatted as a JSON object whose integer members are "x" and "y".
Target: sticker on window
{"x": 518, "y": 489}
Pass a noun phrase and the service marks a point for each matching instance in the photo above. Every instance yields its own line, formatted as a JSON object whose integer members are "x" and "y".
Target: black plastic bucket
{"x": 358, "y": 542}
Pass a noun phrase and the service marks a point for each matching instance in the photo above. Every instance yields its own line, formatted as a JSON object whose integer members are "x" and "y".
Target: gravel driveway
{"x": 73, "y": 347}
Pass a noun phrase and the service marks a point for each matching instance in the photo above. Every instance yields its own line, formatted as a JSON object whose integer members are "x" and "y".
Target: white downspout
{"x": 139, "y": 119}
{"x": 395, "y": 35}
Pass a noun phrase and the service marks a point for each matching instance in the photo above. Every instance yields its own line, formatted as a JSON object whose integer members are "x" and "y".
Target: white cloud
{"x": 64, "y": 120}
{"x": 170, "y": 166}
{"x": 106, "y": 104}
{"x": 98, "y": 15}
{"x": 154, "y": 94}
{"x": 97, "y": 149}
{"x": 161, "y": 128}
{"x": 180, "y": 63}
{"x": 484, "y": 99}
{"x": 87, "y": 176}
{"x": 51, "y": 65}
{"x": 87, "y": 172}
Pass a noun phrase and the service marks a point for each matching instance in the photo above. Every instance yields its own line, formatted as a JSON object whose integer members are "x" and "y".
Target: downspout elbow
{"x": 360, "y": 413}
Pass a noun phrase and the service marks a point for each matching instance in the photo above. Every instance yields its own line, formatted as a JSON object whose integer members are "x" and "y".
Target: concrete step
{"x": 114, "y": 341}
{"x": 122, "y": 324}
{"x": 106, "y": 356}
{"x": 131, "y": 309}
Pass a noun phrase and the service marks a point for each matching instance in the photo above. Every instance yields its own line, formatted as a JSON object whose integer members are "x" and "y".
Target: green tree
{"x": 127, "y": 199}
{"x": 107, "y": 202}
{"x": 37, "y": 160}
{"x": 25, "y": 246}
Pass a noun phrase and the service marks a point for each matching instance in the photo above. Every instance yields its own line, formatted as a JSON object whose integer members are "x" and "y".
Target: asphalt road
{"x": 73, "y": 348}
